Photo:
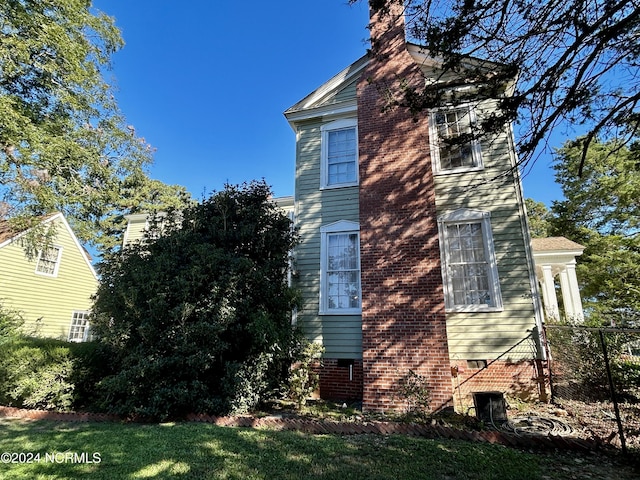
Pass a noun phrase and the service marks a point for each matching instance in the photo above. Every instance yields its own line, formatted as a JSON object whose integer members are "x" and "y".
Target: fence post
{"x": 613, "y": 392}
{"x": 549, "y": 364}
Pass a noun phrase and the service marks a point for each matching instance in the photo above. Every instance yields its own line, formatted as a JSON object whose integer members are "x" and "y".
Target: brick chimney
{"x": 403, "y": 317}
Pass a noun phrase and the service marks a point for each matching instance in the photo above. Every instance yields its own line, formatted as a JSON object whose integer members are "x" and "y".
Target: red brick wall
{"x": 525, "y": 380}
{"x": 335, "y": 382}
{"x": 403, "y": 319}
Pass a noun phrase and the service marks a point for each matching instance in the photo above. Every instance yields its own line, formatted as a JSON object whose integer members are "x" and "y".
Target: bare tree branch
{"x": 576, "y": 62}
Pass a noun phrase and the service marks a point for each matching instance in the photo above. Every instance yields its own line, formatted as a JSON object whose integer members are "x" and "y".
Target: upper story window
{"x": 49, "y": 261}
{"x": 469, "y": 271}
{"x": 453, "y": 146}
{"x": 340, "y": 268}
{"x": 339, "y": 152}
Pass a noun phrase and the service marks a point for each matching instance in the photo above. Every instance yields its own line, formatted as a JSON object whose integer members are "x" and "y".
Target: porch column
{"x": 557, "y": 255}
{"x": 571, "y": 293}
{"x": 549, "y": 293}
{"x": 566, "y": 294}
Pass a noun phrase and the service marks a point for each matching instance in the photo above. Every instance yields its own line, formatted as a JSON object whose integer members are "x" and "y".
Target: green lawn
{"x": 200, "y": 451}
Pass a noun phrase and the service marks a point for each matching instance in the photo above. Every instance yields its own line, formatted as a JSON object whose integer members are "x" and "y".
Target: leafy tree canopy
{"x": 539, "y": 217}
{"x": 64, "y": 145}
{"x": 574, "y": 62}
{"x": 605, "y": 197}
{"x": 199, "y": 320}
{"x": 600, "y": 210}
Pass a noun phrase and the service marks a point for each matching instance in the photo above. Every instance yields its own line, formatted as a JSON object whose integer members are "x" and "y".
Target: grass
{"x": 202, "y": 451}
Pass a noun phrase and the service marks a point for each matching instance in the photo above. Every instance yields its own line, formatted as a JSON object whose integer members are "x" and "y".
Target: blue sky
{"x": 206, "y": 83}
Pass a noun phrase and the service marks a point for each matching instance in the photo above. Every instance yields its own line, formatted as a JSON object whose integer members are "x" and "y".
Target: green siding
{"x": 492, "y": 335}
{"x": 347, "y": 93}
{"x": 47, "y": 303}
{"x": 482, "y": 335}
{"x": 344, "y": 93}
{"x": 341, "y": 335}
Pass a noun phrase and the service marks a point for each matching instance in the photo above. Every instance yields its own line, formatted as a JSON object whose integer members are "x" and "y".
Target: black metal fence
{"x": 594, "y": 375}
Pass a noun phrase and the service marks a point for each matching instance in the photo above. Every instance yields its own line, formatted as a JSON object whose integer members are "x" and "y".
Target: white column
{"x": 567, "y": 301}
{"x": 574, "y": 292}
{"x": 549, "y": 293}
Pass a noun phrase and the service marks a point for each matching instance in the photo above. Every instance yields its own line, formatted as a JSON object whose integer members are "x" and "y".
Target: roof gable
{"x": 8, "y": 236}
{"x": 326, "y": 99}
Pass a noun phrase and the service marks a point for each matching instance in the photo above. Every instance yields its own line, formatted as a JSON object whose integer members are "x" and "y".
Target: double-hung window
{"x": 454, "y": 147}
{"x": 49, "y": 261}
{"x": 79, "y": 330}
{"x": 339, "y": 151}
{"x": 340, "y": 268}
{"x": 470, "y": 271}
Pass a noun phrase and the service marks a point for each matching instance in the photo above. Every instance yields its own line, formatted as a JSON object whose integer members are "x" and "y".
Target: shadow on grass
{"x": 208, "y": 452}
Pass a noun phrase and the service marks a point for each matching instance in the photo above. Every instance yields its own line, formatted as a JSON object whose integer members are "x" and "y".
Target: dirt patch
{"x": 594, "y": 421}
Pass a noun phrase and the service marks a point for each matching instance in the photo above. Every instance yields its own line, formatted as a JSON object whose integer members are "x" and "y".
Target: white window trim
{"x": 57, "y": 264}
{"x": 466, "y": 215}
{"x": 85, "y": 333}
{"x": 476, "y": 151}
{"x": 324, "y": 152}
{"x": 340, "y": 227}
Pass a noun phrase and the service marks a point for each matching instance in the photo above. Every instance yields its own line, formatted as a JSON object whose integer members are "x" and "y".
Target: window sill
{"x": 354, "y": 311}
{"x": 458, "y": 170}
{"x": 341, "y": 185}
{"x": 473, "y": 309}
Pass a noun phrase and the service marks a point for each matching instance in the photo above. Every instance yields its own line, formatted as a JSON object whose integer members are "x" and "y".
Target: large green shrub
{"x": 626, "y": 378}
{"x": 303, "y": 379}
{"x": 199, "y": 319}
{"x": 47, "y": 373}
{"x": 10, "y": 324}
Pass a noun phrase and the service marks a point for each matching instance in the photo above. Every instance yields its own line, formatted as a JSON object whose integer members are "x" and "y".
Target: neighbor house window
{"x": 79, "y": 331}
{"x": 469, "y": 266}
{"x": 339, "y": 152}
{"x": 453, "y": 146}
{"x": 49, "y": 261}
{"x": 340, "y": 268}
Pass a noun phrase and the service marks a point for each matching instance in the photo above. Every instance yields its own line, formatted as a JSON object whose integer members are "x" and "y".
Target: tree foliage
{"x": 49, "y": 374}
{"x": 64, "y": 145}
{"x": 539, "y": 216}
{"x": 10, "y": 323}
{"x": 605, "y": 197}
{"x": 600, "y": 210}
{"x": 573, "y": 62}
{"x": 199, "y": 320}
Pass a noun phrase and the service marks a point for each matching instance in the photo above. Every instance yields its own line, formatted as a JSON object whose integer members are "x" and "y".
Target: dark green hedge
{"x": 50, "y": 374}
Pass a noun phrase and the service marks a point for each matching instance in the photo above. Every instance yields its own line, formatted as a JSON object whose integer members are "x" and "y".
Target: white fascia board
{"x": 561, "y": 256}
{"x": 324, "y": 111}
{"x": 80, "y": 248}
{"x": 320, "y": 93}
{"x": 136, "y": 216}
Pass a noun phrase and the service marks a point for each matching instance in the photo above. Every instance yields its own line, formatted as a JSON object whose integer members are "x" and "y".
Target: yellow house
{"x": 53, "y": 290}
